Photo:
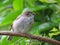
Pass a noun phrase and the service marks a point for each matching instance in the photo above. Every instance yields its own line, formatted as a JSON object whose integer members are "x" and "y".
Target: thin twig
{"x": 30, "y": 36}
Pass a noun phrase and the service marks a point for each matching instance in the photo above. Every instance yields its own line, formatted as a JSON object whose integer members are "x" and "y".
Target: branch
{"x": 30, "y": 36}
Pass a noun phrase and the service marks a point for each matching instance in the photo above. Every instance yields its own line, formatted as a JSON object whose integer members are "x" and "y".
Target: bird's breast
{"x": 22, "y": 25}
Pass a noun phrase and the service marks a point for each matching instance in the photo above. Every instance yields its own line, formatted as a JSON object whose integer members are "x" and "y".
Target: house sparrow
{"x": 23, "y": 23}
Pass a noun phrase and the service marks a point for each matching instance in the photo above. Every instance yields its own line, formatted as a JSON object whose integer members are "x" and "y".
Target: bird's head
{"x": 28, "y": 13}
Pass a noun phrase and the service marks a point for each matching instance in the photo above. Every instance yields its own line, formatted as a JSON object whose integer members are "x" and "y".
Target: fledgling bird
{"x": 23, "y": 23}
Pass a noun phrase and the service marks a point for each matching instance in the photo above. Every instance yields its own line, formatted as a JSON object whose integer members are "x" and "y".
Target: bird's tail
{"x": 10, "y": 38}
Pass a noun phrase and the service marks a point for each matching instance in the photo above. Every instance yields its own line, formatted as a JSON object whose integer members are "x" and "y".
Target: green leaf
{"x": 9, "y": 18}
{"x": 54, "y": 31}
{"x": 30, "y": 3}
{"x": 41, "y": 7}
{"x": 18, "y": 4}
{"x": 33, "y": 6}
{"x": 14, "y": 39}
{"x": 3, "y": 40}
{"x": 5, "y": 3}
{"x": 46, "y": 26}
{"x": 48, "y": 1}
{"x": 34, "y": 29}
{"x": 58, "y": 1}
{"x": 55, "y": 18}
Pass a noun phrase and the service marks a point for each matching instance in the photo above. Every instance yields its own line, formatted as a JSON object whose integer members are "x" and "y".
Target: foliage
{"x": 47, "y": 19}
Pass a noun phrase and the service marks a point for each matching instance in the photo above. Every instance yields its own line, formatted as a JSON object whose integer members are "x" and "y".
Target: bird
{"x": 23, "y": 23}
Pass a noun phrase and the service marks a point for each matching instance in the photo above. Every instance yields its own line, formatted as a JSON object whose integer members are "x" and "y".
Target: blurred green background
{"x": 47, "y": 20}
